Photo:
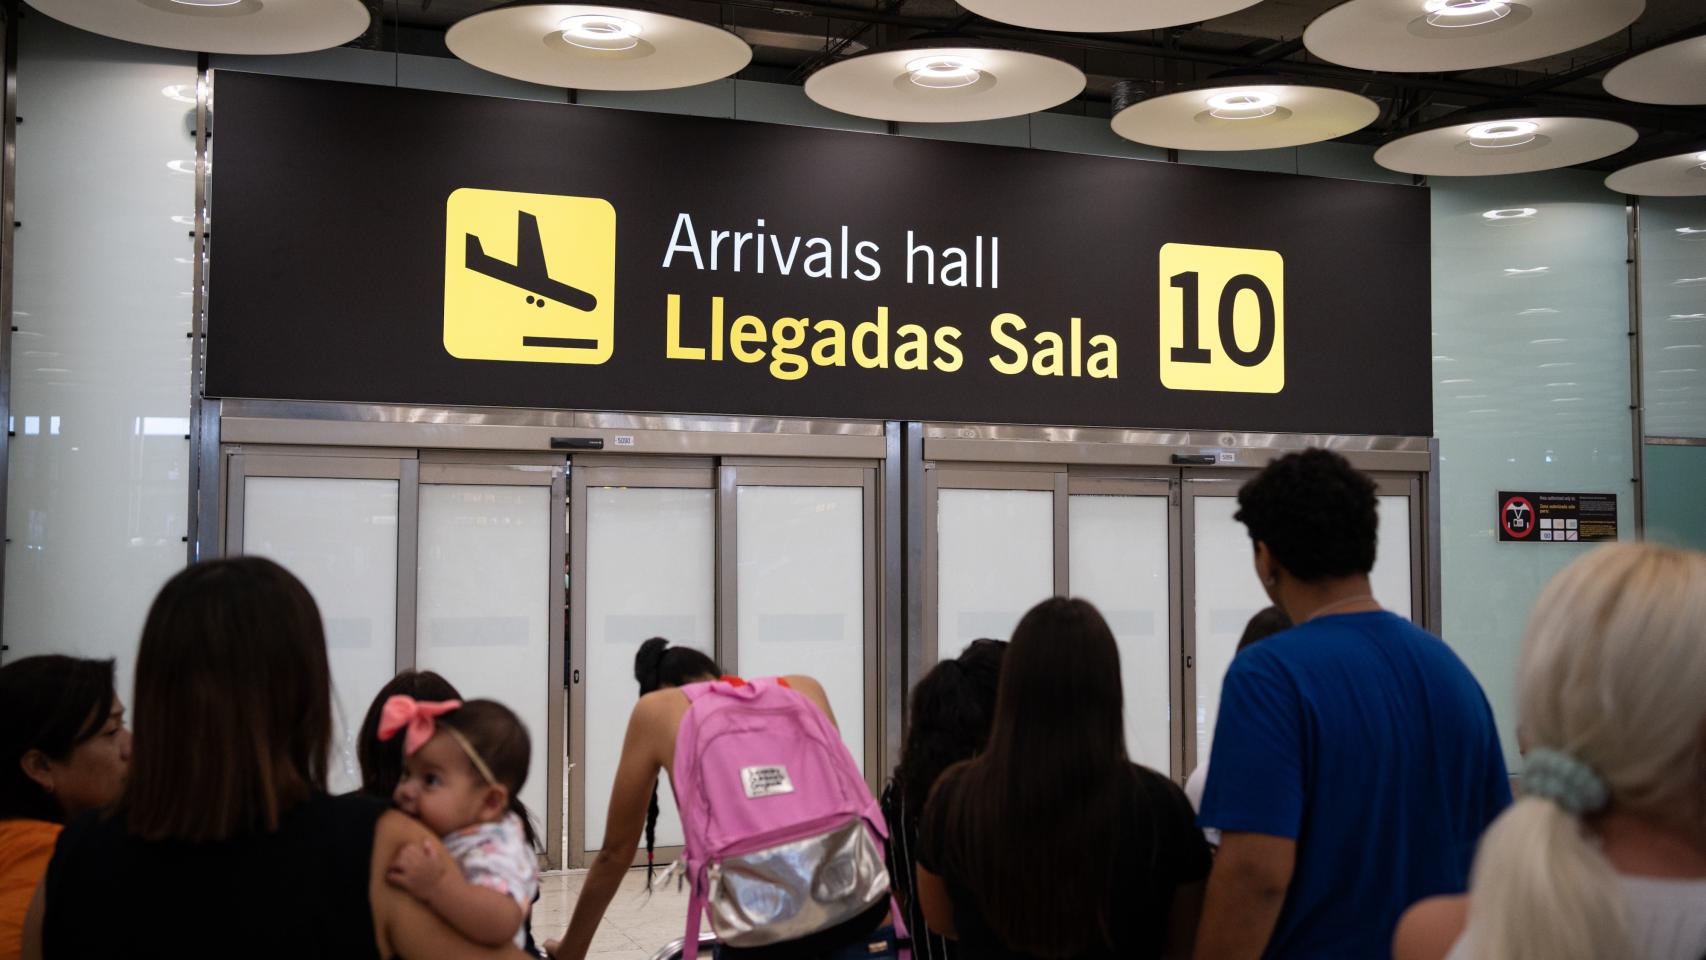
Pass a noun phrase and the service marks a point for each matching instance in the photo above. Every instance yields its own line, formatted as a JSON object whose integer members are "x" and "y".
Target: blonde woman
{"x": 1605, "y": 855}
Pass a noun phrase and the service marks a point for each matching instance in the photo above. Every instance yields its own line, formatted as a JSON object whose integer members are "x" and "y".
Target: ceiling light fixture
{"x": 1103, "y": 16}
{"x": 592, "y": 31}
{"x": 1670, "y": 75}
{"x": 1456, "y": 14}
{"x": 944, "y": 80}
{"x": 1513, "y": 213}
{"x": 1427, "y": 36}
{"x": 1261, "y": 112}
{"x": 249, "y": 27}
{"x": 1503, "y": 134}
{"x": 1243, "y": 105}
{"x": 944, "y": 72}
{"x": 1504, "y": 142}
{"x": 1671, "y": 172}
{"x": 628, "y": 45}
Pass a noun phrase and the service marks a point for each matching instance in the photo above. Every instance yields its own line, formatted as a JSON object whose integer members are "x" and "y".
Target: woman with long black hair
{"x": 1052, "y": 843}
{"x": 658, "y": 665}
{"x": 951, "y": 709}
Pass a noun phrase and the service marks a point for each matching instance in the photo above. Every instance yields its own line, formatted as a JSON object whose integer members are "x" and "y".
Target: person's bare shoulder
{"x": 809, "y": 688}
{"x": 1430, "y": 929}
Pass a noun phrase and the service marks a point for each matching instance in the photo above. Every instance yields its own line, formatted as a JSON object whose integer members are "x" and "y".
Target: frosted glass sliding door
{"x": 1391, "y": 578}
{"x": 1226, "y": 595}
{"x": 804, "y": 597}
{"x": 646, "y": 566}
{"x": 994, "y": 561}
{"x": 1120, "y": 558}
{"x": 338, "y": 534}
{"x": 485, "y": 598}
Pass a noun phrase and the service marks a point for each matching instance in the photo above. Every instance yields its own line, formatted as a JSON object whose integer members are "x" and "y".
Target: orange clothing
{"x": 25, "y": 848}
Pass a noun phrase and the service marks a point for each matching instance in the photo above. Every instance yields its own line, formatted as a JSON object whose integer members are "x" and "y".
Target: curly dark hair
{"x": 951, "y": 710}
{"x": 1317, "y": 514}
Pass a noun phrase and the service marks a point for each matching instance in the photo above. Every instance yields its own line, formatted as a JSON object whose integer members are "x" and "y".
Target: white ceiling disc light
{"x": 1424, "y": 36}
{"x": 1257, "y": 116}
{"x": 949, "y": 83}
{"x": 218, "y": 26}
{"x": 1492, "y": 146}
{"x": 1674, "y": 74}
{"x": 596, "y": 47}
{"x": 1103, "y": 16}
{"x": 1681, "y": 174}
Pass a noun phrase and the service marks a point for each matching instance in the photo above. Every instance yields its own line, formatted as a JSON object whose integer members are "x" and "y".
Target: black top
{"x": 298, "y": 892}
{"x": 1158, "y": 849}
{"x": 902, "y": 858}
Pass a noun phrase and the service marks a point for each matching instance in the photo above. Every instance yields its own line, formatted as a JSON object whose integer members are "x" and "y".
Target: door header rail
{"x": 1166, "y": 448}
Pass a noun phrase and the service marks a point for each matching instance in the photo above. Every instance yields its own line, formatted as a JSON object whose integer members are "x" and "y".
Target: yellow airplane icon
{"x": 529, "y": 277}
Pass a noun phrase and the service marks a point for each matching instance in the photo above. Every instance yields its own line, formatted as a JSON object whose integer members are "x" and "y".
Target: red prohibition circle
{"x": 1504, "y": 517}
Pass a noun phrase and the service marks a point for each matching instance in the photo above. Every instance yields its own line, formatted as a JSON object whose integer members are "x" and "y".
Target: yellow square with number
{"x": 1222, "y": 319}
{"x": 529, "y": 276}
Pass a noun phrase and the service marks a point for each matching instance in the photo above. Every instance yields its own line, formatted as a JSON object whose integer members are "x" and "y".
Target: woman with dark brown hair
{"x": 224, "y": 840}
{"x": 64, "y": 751}
{"x": 1051, "y": 843}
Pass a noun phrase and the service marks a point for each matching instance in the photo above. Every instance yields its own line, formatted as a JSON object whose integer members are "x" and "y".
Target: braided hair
{"x": 658, "y": 665}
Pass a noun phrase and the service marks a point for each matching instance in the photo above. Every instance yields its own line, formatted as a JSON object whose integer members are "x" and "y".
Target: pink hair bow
{"x": 403, "y": 712}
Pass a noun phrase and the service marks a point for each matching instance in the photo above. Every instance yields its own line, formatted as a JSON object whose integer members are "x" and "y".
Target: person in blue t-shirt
{"x": 1355, "y": 758}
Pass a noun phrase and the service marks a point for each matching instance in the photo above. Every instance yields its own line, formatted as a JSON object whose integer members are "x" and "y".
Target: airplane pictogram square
{"x": 529, "y": 277}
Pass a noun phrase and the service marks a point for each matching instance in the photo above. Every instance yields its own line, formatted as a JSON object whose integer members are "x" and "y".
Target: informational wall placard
{"x": 1557, "y": 517}
{"x": 396, "y": 246}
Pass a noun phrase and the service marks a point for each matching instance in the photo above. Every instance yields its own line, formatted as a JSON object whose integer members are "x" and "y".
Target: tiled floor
{"x": 634, "y": 927}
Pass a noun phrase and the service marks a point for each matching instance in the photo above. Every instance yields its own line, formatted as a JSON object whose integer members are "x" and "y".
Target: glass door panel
{"x": 1120, "y": 561}
{"x": 802, "y": 590}
{"x": 338, "y": 535}
{"x": 1391, "y": 577}
{"x": 484, "y": 603}
{"x": 1227, "y": 595}
{"x": 649, "y": 571}
{"x": 994, "y": 561}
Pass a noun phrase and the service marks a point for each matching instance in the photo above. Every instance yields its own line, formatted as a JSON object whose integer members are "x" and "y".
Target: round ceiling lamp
{"x": 1103, "y": 16}
{"x": 1254, "y": 115}
{"x": 944, "y": 82}
{"x": 1423, "y": 36}
{"x": 595, "y": 47}
{"x": 1504, "y": 142}
{"x": 1678, "y": 173}
{"x": 218, "y": 26}
{"x": 1674, "y": 74}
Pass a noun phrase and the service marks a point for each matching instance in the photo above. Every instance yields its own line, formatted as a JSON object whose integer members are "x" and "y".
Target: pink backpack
{"x": 783, "y": 837}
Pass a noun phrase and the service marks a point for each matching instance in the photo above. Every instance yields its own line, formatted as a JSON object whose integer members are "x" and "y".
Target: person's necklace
{"x": 1344, "y": 602}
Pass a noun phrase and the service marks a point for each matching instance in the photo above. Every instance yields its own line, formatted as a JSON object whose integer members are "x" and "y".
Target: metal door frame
{"x": 411, "y": 468}
{"x": 673, "y": 474}
{"x": 732, "y": 475}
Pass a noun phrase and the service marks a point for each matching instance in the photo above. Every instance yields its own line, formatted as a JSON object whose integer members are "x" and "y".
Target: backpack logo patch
{"x": 765, "y": 781}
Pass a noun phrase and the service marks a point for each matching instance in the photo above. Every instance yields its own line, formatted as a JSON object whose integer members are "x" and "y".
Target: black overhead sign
{"x": 1557, "y": 517}
{"x": 396, "y": 246}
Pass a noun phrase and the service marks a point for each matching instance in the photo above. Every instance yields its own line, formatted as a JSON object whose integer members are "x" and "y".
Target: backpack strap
{"x": 695, "y": 915}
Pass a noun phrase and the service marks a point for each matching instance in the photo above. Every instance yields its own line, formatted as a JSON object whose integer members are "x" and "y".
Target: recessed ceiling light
{"x": 1454, "y": 14}
{"x": 1690, "y": 231}
{"x": 944, "y": 72}
{"x": 1525, "y": 271}
{"x": 1551, "y": 340}
{"x": 1503, "y": 134}
{"x": 1242, "y": 105}
{"x": 219, "y": 26}
{"x": 1687, "y": 317}
{"x": 1512, "y": 213}
{"x": 597, "y": 31}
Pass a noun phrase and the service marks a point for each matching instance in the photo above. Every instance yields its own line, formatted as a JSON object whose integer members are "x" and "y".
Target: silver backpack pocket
{"x": 796, "y": 889}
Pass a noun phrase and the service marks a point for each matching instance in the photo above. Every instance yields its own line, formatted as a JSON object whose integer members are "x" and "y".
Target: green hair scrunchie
{"x": 1565, "y": 780}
